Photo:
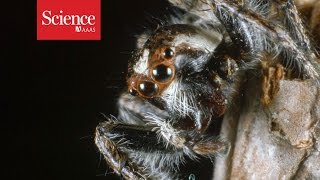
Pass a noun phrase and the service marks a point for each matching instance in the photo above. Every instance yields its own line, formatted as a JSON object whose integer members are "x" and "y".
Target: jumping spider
{"x": 188, "y": 73}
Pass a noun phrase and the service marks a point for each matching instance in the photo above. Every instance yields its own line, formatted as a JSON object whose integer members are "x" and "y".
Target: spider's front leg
{"x": 115, "y": 158}
{"x": 115, "y": 140}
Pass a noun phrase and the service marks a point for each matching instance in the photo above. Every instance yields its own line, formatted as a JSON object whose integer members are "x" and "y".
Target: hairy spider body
{"x": 187, "y": 74}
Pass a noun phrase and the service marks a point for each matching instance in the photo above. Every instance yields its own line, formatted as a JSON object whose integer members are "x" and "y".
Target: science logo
{"x": 68, "y": 20}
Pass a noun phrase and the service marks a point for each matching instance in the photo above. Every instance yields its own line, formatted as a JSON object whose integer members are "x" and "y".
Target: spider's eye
{"x": 133, "y": 92}
{"x": 168, "y": 53}
{"x": 162, "y": 73}
{"x": 148, "y": 89}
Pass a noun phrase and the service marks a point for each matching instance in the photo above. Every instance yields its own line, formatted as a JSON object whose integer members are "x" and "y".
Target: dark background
{"x": 55, "y": 91}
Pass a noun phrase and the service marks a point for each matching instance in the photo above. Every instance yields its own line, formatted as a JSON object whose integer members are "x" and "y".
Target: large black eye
{"x": 168, "y": 53}
{"x": 148, "y": 89}
{"x": 162, "y": 73}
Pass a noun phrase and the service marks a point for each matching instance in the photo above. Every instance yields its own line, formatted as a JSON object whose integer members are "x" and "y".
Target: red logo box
{"x": 68, "y": 20}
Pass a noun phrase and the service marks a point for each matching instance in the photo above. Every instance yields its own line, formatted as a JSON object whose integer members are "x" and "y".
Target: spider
{"x": 186, "y": 75}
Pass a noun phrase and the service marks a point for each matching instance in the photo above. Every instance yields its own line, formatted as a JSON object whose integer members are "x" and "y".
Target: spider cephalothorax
{"x": 186, "y": 75}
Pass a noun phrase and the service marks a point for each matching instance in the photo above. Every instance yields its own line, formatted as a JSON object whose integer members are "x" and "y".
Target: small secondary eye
{"x": 148, "y": 89}
{"x": 133, "y": 92}
{"x": 162, "y": 73}
{"x": 168, "y": 53}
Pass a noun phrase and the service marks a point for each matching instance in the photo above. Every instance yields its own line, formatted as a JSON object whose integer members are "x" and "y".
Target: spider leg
{"x": 191, "y": 142}
{"x": 294, "y": 24}
{"x": 256, "y": 33}
{"x": 247, "y": 28}
{"x": 117, "y": 159}
{"x": 129, "y": 136}
{"x": 135, "y": 152}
